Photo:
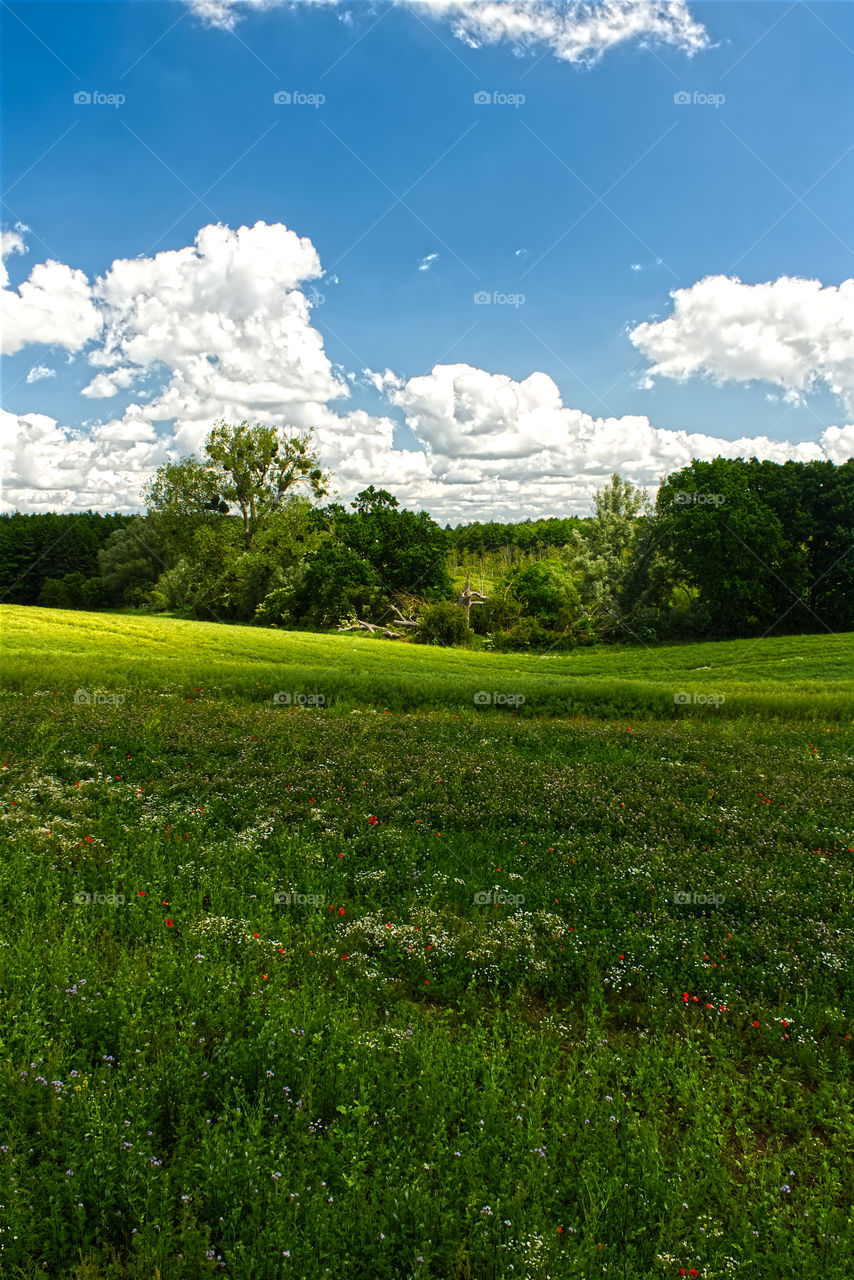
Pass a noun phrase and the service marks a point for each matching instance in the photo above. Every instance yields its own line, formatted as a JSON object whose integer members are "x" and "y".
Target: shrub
{"x": 335, "y": 583}
{"x": 444, "y": 623}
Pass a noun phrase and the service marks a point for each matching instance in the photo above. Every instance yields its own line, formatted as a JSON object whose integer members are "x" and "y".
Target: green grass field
{"x": 404, "y": 986}
{"x": 809, "y": 676}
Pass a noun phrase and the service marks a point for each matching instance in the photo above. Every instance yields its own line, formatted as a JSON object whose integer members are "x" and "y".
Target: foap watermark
{"x": 484, "y": 699}
{"x": 285, "y": 699}
{"x": 293, "y": 98}
{"x": 483, "y": 98}
{"x": 484, "y": 299}
{"x": 684, "y": 699}
{"x": 685, "y": 498}
{"x": 685, "y": 99}
{"x": 490, "y": 897}
{"x": 89, "y": 697}
{"x": 283, "y": 898}
{"x": 683, "y": 898}
{"x": 83, "y": 98}
{"x": 84, "y": 899}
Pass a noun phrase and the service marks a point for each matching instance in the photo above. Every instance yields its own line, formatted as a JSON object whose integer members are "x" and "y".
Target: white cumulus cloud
{"x": 53, "y": 306}
{"x": 222, "y": 329}
{"x": 498, "y": 447}
{"x": 795, "y": 334}
{"x": 10, "y": 242}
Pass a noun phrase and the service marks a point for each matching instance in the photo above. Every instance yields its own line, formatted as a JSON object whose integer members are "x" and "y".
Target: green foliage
{"x": 546, "y": 592}
{"x": 526, "y": 537}
{"x": 185, "y": 494}
{"x": 605, "y": 555}
{"x": 221, "y": 579}
{"x": 36, "y": 547}
{"x": 498, "y": 612}
{"x": 258, "y": 470}
{"x": 767, "y": 547}
{"x": 335, "y": 583}
{"x": 371, "y": 499}
{"x": 133, "y": 558}
{"x": 444, "y": 623}
{"x": 529, "y": 633}
{"x": 407, "y": 551}
{"x": 72, "y": 591}
{"x": 732, "y": 548}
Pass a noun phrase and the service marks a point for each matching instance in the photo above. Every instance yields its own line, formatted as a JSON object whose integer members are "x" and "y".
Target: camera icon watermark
{"x": 483, "y": 99}
{"x": 492, "y": 897}
{"x": 293, "y": 98}
{"x": 683, "y": 899}
{"x": 83, "y": 98}
{"x": 88, "y": 697}
{"x": 686, "y": 498}
{"x": 283, "y": 898}
{"x": 484, "y": 699}
{"x": 84, "y": 899}
{"x": 684, "y": 699}
{"x": 285, "y": 699}
{"x": 685, "y": 99}
{"x": 484, "y": 299}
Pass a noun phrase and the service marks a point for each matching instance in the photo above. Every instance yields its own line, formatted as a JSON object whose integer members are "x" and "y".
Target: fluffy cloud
{"x": 39, "y": 372}
{"x": 796, "y": 334}
{"x": 10, "y": 242}
{"x": 51, "y": 468}
{"x": 225, "y": 316}
{"x": 54, "y": 306}
{"x": 500, "y": 447}
{"x": 838, "y": 443}
{"x": 575, "y": 31}
{"x": 222, "y": 328}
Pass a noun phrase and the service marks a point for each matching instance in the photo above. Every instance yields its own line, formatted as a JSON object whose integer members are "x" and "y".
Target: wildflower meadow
{"x": 384, "y": 985}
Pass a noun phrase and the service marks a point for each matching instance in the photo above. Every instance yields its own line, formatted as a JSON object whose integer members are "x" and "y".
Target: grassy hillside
{"x": 380, "y": 994}
{"x": 807, "y": 676}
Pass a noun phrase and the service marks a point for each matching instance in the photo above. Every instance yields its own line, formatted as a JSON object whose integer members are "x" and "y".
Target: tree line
{"x": 239, "y": 533}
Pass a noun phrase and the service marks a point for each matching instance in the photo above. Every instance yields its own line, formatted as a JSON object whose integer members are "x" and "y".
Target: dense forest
{"x": 729, "y": 548}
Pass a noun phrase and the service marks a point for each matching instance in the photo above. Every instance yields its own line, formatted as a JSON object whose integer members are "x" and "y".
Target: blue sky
{"x": 586, "y": 204}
